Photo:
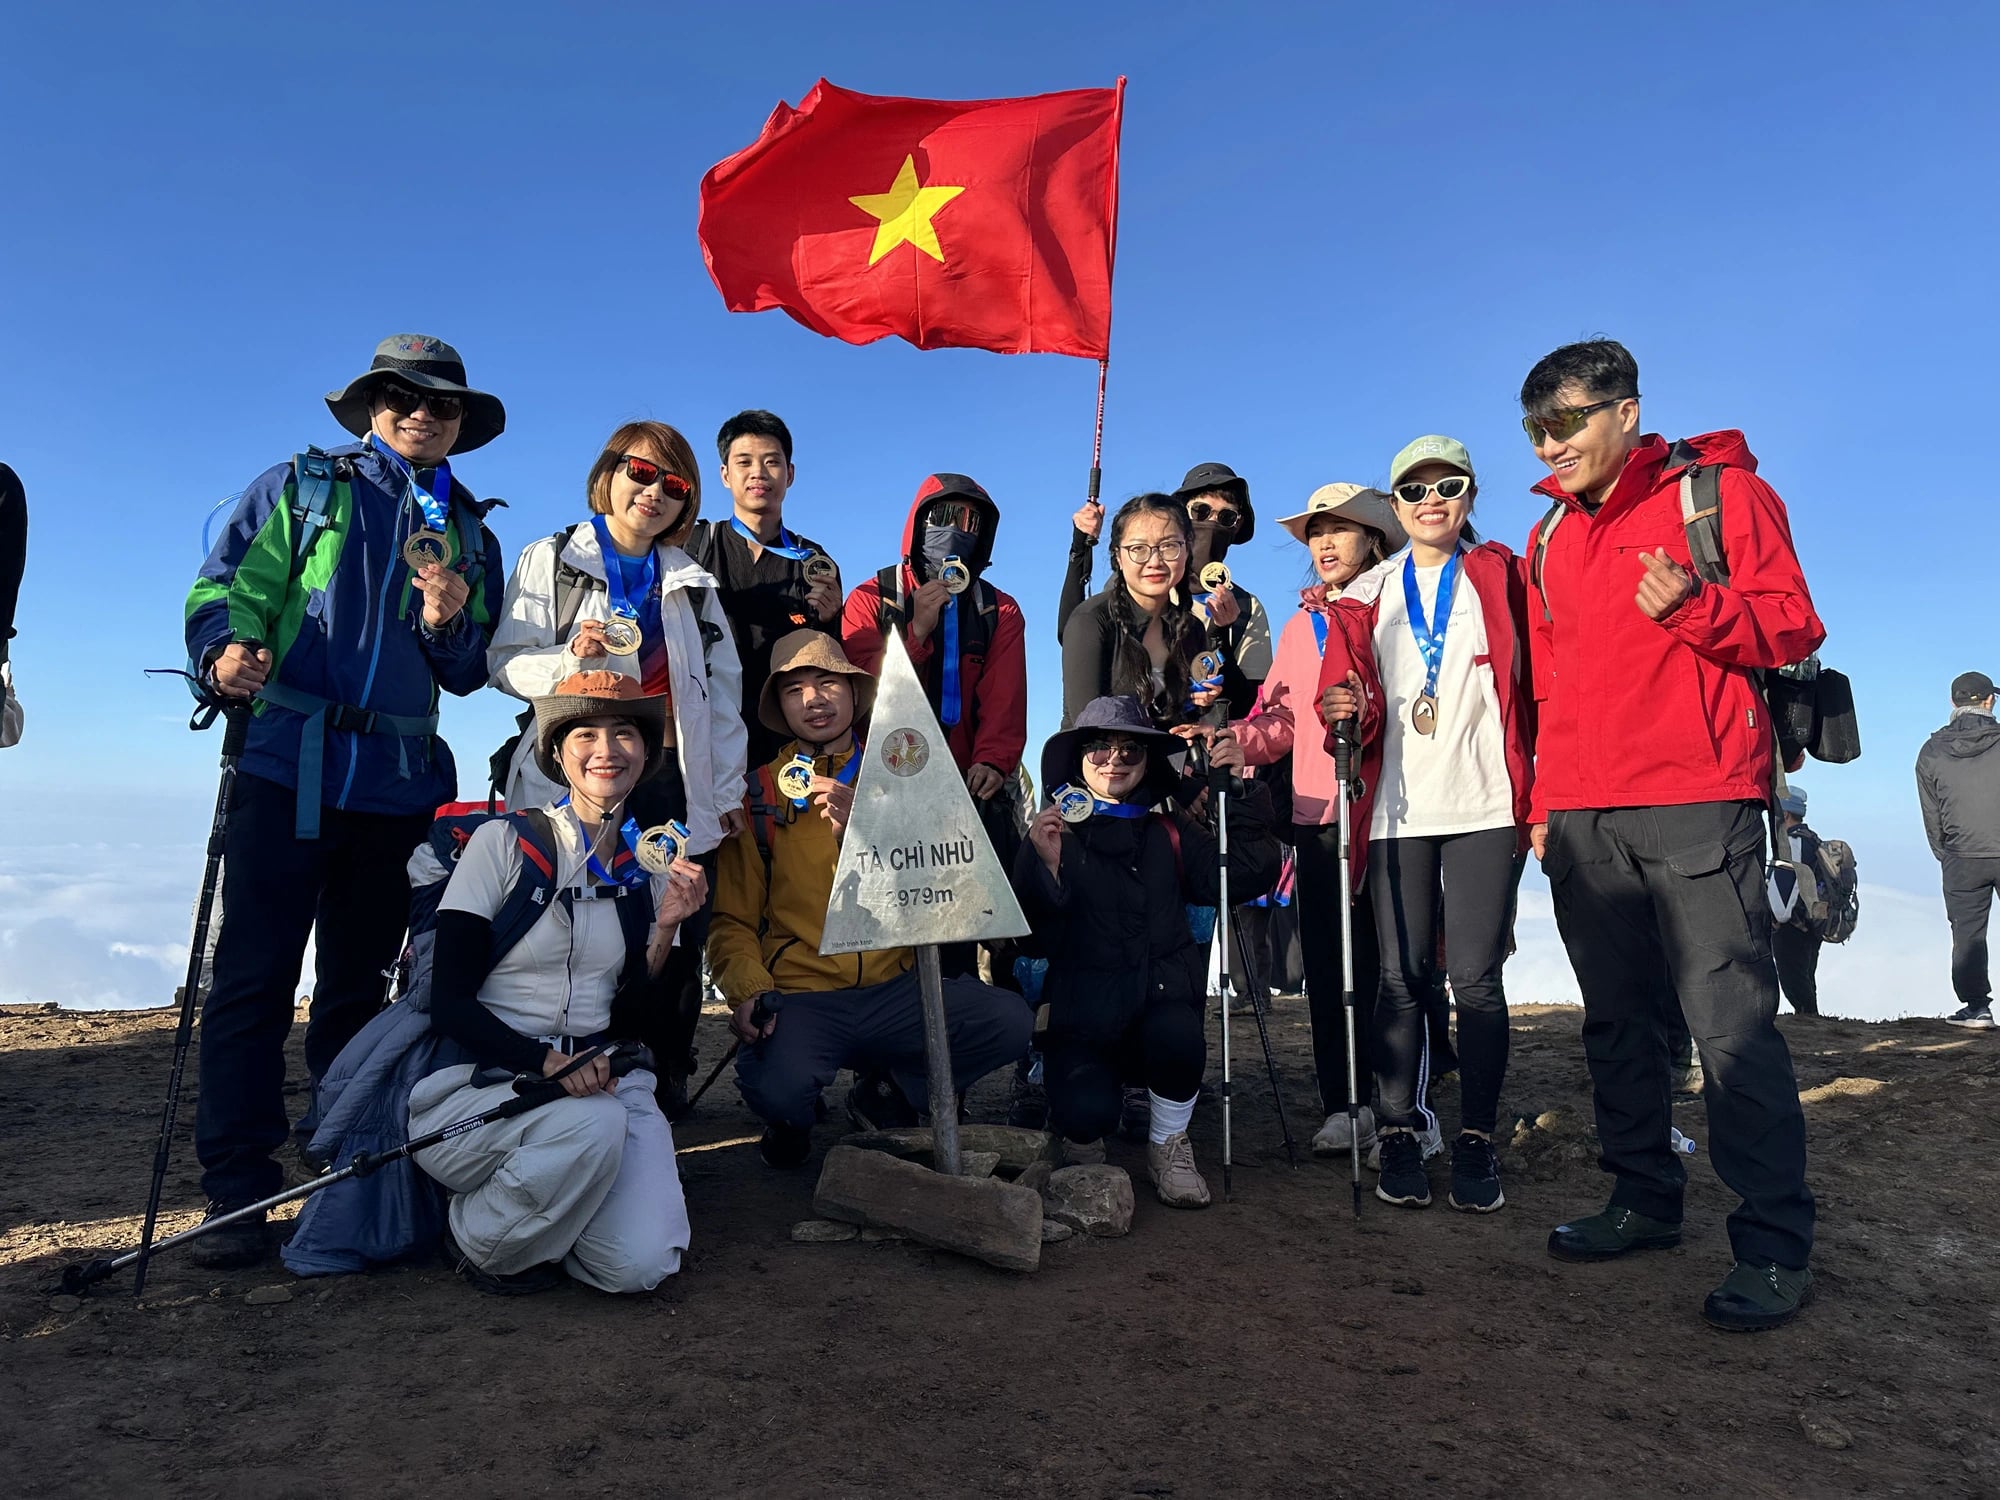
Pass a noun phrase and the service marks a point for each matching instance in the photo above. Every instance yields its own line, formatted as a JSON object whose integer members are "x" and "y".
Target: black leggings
{"x": 1479, "y": 871}
{"x": 1164, "y": 1048}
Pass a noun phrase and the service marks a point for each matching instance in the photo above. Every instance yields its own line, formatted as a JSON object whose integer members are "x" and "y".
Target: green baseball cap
{"x": 1429, "y": 450}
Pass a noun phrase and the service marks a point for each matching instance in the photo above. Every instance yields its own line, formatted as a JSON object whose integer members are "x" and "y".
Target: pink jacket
{"x": 1288, "y": 697}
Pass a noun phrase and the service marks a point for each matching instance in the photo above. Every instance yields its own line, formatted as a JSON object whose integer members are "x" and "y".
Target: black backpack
{"x": 1830, "y": 907}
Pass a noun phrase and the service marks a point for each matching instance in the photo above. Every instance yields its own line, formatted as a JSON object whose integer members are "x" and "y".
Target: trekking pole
{"x": 530, "y": 1092}
{"x": 1218, "y": 782}
{"x": 715, "y": 1073}
{"x": 235, "y": 730}
{"x": 1344, "y": 735}
{"x": 1256, "y": 982}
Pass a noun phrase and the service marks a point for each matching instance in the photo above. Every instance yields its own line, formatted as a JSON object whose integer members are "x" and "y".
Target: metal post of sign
{"x": 937, "y": 1054}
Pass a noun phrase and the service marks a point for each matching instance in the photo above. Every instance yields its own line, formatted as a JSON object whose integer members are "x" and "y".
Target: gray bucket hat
{"x": 422, "y": 363}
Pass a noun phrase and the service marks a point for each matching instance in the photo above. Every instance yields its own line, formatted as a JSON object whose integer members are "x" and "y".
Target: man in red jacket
{"x": 1653, "y": 774}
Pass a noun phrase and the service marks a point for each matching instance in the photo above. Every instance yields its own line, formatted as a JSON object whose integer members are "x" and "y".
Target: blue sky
{"x": 1342, "y": 226}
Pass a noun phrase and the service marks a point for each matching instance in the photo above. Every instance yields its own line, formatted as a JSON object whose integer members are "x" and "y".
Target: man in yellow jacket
{"x": 803, "y": 1016}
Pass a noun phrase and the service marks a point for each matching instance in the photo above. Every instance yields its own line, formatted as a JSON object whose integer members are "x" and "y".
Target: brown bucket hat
{"x": 810, "y": 648}
{"x": 593, "y": 695}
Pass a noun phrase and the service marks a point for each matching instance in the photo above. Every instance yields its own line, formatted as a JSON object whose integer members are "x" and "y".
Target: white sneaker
{"x": 1336, "y": 1136}
{"x": 1176, "y": 1179}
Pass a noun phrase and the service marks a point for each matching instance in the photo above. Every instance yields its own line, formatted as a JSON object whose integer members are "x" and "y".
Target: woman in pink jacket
{"x": 1348, "y": 529}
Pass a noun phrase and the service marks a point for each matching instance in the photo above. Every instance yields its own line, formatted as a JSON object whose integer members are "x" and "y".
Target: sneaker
{"x": 1135, "y": 1115}
{"x": 1432, "y": 1140}
{"x": 233, "y": 1246}
{"x": 1336, "y": 1136}
{"x": 1083, "y": 1153}
{"x": 1972, "y": 1017}
{"x": 1475, "y": 1175}
{"x": 1757, "y": 1295}
{"x": 1403, "y": 1181}
{"x": 1028, "y": 1101}
{"x": 875, "y": 1103}
{"x": 1170, "y": 1163}
{"x": 785, "y": 1146}
{"x": 543, "y": 1278}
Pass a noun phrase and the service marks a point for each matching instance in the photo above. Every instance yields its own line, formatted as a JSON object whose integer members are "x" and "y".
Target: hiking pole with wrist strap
{"x": 1345, "y": 787}
{"x": 1218, "y": 787}
{"x": 530, "y": 1092}
{"x": 1256, "y": 982}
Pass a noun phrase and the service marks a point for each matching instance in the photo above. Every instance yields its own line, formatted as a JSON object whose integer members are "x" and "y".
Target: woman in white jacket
{"x": 617, "y": 592}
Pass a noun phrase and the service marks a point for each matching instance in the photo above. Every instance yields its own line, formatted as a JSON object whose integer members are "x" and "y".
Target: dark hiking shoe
{"x": 1135, "y": 1115}
{"x": 1610, "y": 1234}
{"x": 1757, "y": 1295}
{"x": 1475, "y": 1176}
{"x": 234, "y": 1246}
{"x": 671, "y": 1093}
{"x": 785, "y": 1146}
{"x": 875, "y": 1103}
{"x": 1403, "y": 1181}
{"x": 1028, "y": 1101}
{"x": 543, "y": 1278}
{"x": 1972, "y": 1017}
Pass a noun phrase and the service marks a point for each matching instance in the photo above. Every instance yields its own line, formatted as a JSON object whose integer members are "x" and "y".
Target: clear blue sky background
{"x": 1342, "y": 226}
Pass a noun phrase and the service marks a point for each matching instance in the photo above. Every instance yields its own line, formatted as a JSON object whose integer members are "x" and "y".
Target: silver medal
{"x": 660, "y": 846}
{"x": 1073, "y": 803}
{"x": 955, "y": 576}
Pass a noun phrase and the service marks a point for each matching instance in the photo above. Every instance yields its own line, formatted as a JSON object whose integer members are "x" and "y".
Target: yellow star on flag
{"x": 905, "y": 212}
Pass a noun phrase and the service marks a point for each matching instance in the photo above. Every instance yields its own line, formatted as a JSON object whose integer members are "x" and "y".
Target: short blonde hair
{"x": 673, "y": 454}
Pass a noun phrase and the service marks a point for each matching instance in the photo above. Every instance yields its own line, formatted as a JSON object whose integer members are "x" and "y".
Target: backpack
{"x": 1811, "y": 707}
{"x": 1831, "y": 907}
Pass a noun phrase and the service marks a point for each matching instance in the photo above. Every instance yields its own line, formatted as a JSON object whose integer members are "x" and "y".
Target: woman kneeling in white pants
{"x": 587, "y": 1184}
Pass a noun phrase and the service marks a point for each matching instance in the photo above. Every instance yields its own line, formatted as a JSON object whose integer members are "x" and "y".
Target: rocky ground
{"x": 1270, "y": 1345}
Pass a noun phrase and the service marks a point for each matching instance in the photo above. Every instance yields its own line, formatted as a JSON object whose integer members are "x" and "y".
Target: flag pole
{"x": 1097, "y": 445}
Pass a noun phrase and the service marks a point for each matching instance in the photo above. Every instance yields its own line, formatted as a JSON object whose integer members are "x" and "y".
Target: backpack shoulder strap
{"x": 1701, "y": 514}
{"x": 528, "y": 901}
{"x": 1538, "y": 554}
{"x": 572, "y": 583}
{"x": 314, "y": 474}
{"x": 889, "y": 611}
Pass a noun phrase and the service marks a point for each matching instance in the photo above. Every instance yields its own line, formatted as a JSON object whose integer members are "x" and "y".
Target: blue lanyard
{"x": 948, "y": 711}
{"x": 634, "y": 876}
{"x": 1319, "y": 632}
{"x": 622, "y": 602}
{"x": 1430, "y": 637}
{"x": 431, "y": 504}
{"x": 785, "y": 546}
{"x": 1100, "y": 808}
{"x": 845, "y": 775}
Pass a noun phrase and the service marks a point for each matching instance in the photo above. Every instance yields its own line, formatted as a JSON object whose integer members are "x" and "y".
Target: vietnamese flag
{"x": 987, "y": 223}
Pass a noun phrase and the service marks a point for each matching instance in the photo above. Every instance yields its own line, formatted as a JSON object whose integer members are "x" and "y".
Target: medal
{"x": 1424, "y": 714}
{"x": 795, "y": 778}
{"x": 425, "y": 548}
{"x": 1072, "y": 802}
{"x": 621, "y": 635}
{"x": 660, "y": 846}
{"x": 955, "y": 576}
{"x": 1215, "y": 576}
{"x": 819, "y": 566}
{"x": 1207, "y": 665}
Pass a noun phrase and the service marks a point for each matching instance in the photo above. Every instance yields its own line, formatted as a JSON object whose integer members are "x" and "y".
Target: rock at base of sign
{"x": 267, "y": 1296}
{"x": 1016, "y": 1148}
{"x": 983, "y": 1217}
{"x": 1036, "y": 1175}
{"x": 822, "y": 1232}
{"x": 978, "y": 1163}
{"x": 1097, "y": 1200}
{"x": 1054, "y": 1231}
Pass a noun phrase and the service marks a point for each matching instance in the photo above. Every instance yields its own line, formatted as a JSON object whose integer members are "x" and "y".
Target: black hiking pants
{"x": 1659, "y": 902}
{"x": 350, "y": 889}
{"x": 1969, "y": 888}
{"x": 1797, "y": 953}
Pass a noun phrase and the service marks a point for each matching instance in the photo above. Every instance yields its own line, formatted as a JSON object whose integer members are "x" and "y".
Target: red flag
{"x": 986, "y": 223}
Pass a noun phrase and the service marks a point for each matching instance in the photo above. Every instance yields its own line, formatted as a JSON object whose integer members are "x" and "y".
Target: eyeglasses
{"x": 644, "y": 471}
{"x": 1448, "y": 488}
{"x": 1139, "y": 553}
{"x": 1567, "y": 421}
{"x": 1111, "y": 752}
{"x": 1222, "y": 518}
{"x": 405, "y": 402}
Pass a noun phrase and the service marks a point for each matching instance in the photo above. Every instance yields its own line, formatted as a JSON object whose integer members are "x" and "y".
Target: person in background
{"x": 1794, "y": 944}
{"x": 772, "y": 580}
{"x": 339, "y": 607}
{"x": 13, "y": 562}
{"x": 1958, "y": 785}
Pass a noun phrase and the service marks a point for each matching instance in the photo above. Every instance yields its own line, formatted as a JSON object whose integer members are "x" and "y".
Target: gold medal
{"x": 1073, "y": 803}
{"x": 621, "y": 635}
{"x": 660, "y": 846}
{"x": 955, "y": 576}
{"x": 1207, "y": 665}
{"x": 1424, "y": 714}
{"x": 426, "y": 548}
{"x": 795, "y": 777}
{"x": 819, "y": 566}
{"x": 1215, "y": 576}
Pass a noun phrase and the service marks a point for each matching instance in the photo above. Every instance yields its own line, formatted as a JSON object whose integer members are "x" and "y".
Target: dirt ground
{"x": 1270, "y": 1345}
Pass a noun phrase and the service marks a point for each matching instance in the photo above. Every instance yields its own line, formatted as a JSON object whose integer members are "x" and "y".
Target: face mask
{"x": 941, "y": 542}
{"x": 1205, "y": 546}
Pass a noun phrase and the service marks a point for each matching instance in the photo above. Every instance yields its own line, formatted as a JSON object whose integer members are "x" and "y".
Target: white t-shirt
{"x": 559, "y": 979}
{"x": 1454, "y": 781}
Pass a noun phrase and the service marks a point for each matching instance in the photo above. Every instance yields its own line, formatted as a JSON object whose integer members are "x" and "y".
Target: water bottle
{"x": 1683, "y": 1145}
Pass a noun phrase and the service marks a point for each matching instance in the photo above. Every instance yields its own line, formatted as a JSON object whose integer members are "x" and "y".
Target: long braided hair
{"x": 1131, "y": 666}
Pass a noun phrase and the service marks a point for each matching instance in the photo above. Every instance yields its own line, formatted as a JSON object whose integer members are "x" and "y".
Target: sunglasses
{"x": 405, "y": 402}
{"x": 1567, "y": 421}
{"x": 1221, "y": 518}
{"x": 961, "y": 515}
{"x": 643, "y": 472}
{"x": 1448, "y": 488}
{"x": 1114, "y": 752}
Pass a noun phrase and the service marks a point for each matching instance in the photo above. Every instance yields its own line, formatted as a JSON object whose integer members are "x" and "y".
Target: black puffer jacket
{"x": 1115, "y": 928}
{"x": 1958, "y": 783}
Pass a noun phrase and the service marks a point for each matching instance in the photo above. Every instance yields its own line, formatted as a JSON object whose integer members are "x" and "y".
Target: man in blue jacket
{"x": 347, "y": 589}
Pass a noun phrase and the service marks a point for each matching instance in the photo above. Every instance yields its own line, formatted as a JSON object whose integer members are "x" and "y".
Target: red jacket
{"x": 1642, "y": 713}
{"x": 1497, "y": 576}
{"x": 993, "y": 687}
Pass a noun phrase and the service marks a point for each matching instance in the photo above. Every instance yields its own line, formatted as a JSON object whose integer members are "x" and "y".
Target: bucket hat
{"x": 422, "y": 363}
{"x": 810, "y": 648}
{"x": 1203, "y": 478}
{"x": 1062, "y": 756}
{"x": 592, "y": 695}
{"x": 1353, "y": 502}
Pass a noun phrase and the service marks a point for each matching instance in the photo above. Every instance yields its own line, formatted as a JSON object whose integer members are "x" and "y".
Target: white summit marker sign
{"x": 916, "y": 867}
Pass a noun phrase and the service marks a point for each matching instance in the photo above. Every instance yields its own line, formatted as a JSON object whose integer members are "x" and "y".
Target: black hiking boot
{"x": 1757, "y": 1295}
{"x": 1135, "y": 1114}
{"x": 543, "y": 1278}
{"x": 1615, "y": 1232}
{"x": 1475, "y": 1175}
{"x": 785, "y": 1146}
{"x": 1403, "y": 1181}
{"x": 234, "y": 1246}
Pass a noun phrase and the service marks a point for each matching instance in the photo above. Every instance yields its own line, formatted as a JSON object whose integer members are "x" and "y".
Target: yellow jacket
{"x": 765, "y": 931}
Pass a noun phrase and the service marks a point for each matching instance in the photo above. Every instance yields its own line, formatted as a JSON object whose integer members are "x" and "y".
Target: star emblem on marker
{"x": 905, "y": 213}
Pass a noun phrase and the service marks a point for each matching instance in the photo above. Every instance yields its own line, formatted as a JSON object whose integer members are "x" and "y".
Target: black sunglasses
{"x": 405, "y": 402}
{"x": 1203, "y": 514}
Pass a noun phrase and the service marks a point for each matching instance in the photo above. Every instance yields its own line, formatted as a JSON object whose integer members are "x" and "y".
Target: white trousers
{"x": 591, "y": 1182}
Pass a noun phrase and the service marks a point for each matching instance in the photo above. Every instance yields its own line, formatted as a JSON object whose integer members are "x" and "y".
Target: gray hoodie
{"x": 1958, "y": 783}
